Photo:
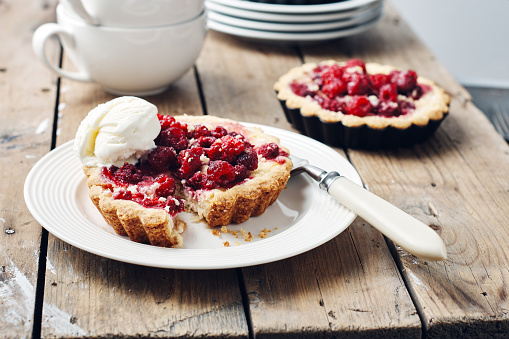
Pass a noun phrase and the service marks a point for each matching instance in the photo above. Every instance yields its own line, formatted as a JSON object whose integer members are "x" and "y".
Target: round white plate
{"x": 290, "y": 18}
{"x": 294, "y": 9}
{"x": 302, "y": 218}
{"x": 290, "y": 37}
{"x": 296, "y": 27}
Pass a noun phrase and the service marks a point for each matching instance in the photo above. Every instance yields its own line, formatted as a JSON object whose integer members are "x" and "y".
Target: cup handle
{"x": 39, "y": 39}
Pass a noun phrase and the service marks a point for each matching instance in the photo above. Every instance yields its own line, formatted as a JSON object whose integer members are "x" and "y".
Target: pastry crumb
{"x": 226, "y": 244}
{"x": 225, "y": 229}
{"x": 216, "y": 233}
{"x": 237, "y": 243}
{"x": 263, "y": 233}
{"x": 247, "y": 235}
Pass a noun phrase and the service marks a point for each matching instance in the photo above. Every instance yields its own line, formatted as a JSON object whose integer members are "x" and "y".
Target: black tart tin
{"x": 362, "y": 137}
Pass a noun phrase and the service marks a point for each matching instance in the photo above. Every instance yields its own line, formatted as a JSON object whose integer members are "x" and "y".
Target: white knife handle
{"x": 406, "y": 231}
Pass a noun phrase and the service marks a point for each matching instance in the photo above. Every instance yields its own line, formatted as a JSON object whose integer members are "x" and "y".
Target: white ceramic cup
{"x": 135, "y": 13}
{"x": 124, "y": 61}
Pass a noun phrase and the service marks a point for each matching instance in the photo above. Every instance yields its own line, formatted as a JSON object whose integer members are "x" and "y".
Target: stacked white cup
{"x": 128, "y": 47}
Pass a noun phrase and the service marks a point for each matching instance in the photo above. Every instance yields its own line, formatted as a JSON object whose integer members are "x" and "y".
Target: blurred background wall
{"x": 471, "y": 39}
{"x": 474, "y": 46}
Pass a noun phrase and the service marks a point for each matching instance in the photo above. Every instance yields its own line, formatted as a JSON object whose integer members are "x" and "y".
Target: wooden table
{"x": 357, "y": 285}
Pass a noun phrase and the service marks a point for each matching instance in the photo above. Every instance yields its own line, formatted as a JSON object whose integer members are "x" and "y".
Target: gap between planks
{"x": 43, "y": 252}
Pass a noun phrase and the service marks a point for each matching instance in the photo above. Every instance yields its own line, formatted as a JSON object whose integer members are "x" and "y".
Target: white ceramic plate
{"x": 289, "y": 18}
{"x": 294, "y": 9}
{"x": 289, "y": 27}
{"x": 302, "y": 218}
{"x": 290, "y": 37}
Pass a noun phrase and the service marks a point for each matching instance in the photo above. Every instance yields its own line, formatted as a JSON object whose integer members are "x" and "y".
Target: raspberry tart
{"x": 361, "y": 105}
{"x": 217, "y": 168}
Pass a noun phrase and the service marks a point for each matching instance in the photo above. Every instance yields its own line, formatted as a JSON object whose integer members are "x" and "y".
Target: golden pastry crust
{"x": 218, "y": 207}
{"x": 433, "y": 105}
{"x": 141, "y": 224}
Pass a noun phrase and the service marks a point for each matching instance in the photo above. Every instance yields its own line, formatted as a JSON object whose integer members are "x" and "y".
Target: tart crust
{"x": 310, "y": 118}
{"x": 141, "y": 224}
{"x": 218, "y": 207}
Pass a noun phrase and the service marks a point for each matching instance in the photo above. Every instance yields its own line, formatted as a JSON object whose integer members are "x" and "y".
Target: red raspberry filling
{"x": 140, "y": 187}
{"x": 336, "y": 82}
{"x": 202, "y": 159}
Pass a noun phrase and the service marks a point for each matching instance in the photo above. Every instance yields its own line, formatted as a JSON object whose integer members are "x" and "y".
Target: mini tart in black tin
{"x": 361, "y": 132}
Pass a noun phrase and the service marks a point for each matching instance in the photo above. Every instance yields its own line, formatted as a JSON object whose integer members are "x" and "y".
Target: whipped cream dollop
{"x": 118, "y": 131}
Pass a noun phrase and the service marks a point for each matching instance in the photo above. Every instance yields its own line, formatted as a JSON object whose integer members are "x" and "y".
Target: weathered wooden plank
{"x": 237, "y": 78}
{"x": 457, "y": 183}
{"x": 27, "y": 92}
{"x": 349, "y": 286}
{"x": 86, "y": 295}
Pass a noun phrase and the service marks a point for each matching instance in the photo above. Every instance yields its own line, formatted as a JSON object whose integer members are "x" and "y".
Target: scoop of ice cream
{"x": 118, "y": 131}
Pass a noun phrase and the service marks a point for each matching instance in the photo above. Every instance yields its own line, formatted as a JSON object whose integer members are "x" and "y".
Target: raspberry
{"x": 416, "y": 93}
{"x": 393, "y": 75}
{"x": 109, "y": 172}
{"x": 406, "y": 107}
{"x": 162, "y": 158}
{"x": 359, "y": 106}
{"x": 405, "y": 81}
{"x": 358, "y": 84}
{"x": 123, "y": 194}
{"x": 219, "y": 132}
{"x": 378, "y": 80}
{"x": 166, "y": 186}
{"x": 334, "y": 105}
{"x": 128, "y": 174}
{"x": 189, "y": 161}
{"x": 300, "y": 89}
{"x": 165, "y": 120}
{"x": 317, "y": 80}
{"x": 238, "y": 136}
{"x": 248, "y": 159}
{"x": 200, "y": 181}
{"x": 331, "y": 74}
{"x": 388, "y": 109}
{"x": 269, "y": 151}
{"x": 354, "y": 63}
{"x": 227, "y": 148}
{"x": 221, "y": 172}
{"x": 174, "y": 205}
{"x": 201, "y": 131}
{"x": 388, "y": 92}
{"x": 337, "y": 105}
{"x": 334, "y": 88}
{"x": 318, "y": 69}
{"x": 174, "y": 137}
{"x": 241, "y": 172}
{"x": 205, "y": 141}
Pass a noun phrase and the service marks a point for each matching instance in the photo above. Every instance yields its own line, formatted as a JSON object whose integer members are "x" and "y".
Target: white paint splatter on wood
{"x": 17, "y": 297}
{"x": 43, "y": 126}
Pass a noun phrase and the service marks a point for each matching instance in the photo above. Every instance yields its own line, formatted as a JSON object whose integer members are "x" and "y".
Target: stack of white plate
{"x": 292, "y": 23}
